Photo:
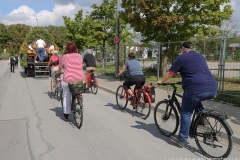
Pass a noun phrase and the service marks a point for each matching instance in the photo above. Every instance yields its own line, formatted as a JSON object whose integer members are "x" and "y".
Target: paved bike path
{"x": 110, "y": 84}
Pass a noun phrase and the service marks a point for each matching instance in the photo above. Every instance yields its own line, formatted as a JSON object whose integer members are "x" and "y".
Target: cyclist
{"x": 197, "y": 82}
{"x": 90, "y": 61}
{"x": 72, "y": 64}
{"x": 55, "y": 66}
{"x": 135, "y": 74}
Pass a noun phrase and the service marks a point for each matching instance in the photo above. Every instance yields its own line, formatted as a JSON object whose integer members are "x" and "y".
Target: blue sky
{"x": 50, "y": 12}
{"x": 41, "y": 12}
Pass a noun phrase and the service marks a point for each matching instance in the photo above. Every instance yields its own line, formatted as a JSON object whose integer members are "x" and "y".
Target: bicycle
{"x": 211, "y": 132}
{"x": 57, "y": 88}
{"x": 92, "y": 82}
{"x": 141, "y": 101}
{"x": 77, "y": 102}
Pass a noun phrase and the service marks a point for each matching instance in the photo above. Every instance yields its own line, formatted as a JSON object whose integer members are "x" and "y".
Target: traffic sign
{"x": 116, "y": 39}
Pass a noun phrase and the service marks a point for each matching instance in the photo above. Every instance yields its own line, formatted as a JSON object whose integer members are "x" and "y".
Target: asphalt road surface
{"x": 32, "y": 127}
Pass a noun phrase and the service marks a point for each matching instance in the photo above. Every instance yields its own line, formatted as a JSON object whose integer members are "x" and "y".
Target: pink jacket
{"x": 72, "y": 64}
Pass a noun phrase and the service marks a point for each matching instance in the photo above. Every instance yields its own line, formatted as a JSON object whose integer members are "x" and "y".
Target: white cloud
{"x": 28, "y": 16}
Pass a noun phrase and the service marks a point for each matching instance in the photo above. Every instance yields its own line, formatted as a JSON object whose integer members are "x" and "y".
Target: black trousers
{"x": 16, "y": 64}
{"x": 12, "y": 66}
{"x": 134, "y": 79}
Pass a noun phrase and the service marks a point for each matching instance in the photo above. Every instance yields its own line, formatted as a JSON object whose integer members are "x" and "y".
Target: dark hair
{"x": 131, "y": 55}
{"x": 71, "y": 47}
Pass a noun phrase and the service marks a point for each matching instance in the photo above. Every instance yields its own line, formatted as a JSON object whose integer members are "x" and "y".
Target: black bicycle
{"x": 209, "y": 128}
{"x": 77, "y": 102}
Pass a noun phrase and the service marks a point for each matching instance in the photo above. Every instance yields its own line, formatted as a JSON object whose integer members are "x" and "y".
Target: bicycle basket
{"x": 77, "y": 88}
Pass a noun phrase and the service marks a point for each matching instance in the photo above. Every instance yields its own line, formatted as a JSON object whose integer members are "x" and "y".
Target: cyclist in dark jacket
{"x": 198, "y": 84}
{"x": 135, "y": 73}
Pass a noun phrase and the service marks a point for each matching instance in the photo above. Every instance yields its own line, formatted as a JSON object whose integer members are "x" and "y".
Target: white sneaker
{"x": 36, "y": 61}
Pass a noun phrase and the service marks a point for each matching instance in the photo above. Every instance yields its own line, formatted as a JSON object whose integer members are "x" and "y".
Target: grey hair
{"x": 55, "y": 52}
{"x": 88, "y": 51}
{"x": 190, "y": 49}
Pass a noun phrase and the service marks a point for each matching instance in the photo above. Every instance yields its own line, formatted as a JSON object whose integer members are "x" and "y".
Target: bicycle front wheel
{"x": 213, "y": 136}
{"x": 166, "y": 118}
{"x": 121, "y": 97}
{"x": 78, "y": 110}
{"x": 143, "y": 106}
{"x": 94, "y": 88}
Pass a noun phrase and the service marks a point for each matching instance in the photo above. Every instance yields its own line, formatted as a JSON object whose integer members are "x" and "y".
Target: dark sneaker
{"x": 131, "y": 97}
{"x": 180, "y": 142}
{"x": 66, "y": 116}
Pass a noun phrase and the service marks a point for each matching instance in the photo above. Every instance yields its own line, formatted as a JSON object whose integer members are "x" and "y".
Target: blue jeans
{"x": 41, "y": 53}
{"x": 189, "y": 103}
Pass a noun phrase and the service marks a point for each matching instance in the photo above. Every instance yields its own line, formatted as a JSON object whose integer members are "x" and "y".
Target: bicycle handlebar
{"x": 171, "y": 84}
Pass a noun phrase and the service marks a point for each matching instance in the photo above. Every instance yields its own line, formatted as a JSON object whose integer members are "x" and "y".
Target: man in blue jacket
{"x": 198, "y": 84}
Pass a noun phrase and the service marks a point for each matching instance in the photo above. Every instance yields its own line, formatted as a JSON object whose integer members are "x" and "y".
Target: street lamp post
{"x": 37, "y": 21}
{"x": 117, "y": 34}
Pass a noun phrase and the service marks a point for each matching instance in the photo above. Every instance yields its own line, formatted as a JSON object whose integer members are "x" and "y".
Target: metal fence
{"x": 222, "y": 55}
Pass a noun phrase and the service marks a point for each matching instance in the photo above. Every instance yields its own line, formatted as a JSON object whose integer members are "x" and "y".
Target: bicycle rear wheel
{"x": 166, "y": 118}
{"x": 213, "y": 137}
{"x": 61, "y": 97}
{"x": 94, "y": 88}
{"x": 78, "y": 110}
{"x": 143, "y": 106}
{"x": 121, "y": 97}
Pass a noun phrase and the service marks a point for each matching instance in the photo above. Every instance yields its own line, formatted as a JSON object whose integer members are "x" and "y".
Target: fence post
{"x": 159, "y": 68}
{"x": 221, "y": 66}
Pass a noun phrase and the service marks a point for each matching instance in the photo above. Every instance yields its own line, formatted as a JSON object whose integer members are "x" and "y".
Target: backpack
{"x": 151, "y": 91}
{"x": 12, "y": 61}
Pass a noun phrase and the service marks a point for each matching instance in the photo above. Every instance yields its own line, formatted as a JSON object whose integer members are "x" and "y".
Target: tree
{"x": 76, "y": 29}
{"x": 174, "y": 20}
{"x": 19, "y": 31}
{"x": 5, "y": 36}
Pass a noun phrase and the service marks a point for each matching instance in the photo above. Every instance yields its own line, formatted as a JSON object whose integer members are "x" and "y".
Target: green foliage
{"x": 75, "y": 29}
{"x": 229, "y": 97}
{"x": 5, "y": 36}
{"x": 19, "y": 31}
{"x": 174, "y": 20}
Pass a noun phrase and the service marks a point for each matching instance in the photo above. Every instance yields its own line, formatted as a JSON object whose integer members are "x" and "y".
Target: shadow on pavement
{"x": 151, "y": 128}
{"x": 127, "y": 109}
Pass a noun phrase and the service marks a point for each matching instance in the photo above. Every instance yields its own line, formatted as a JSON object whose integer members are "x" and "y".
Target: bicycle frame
{"x": 174, "y": 102}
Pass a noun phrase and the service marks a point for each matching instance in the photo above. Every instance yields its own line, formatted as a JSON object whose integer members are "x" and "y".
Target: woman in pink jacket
{"x": 72, "y": 64}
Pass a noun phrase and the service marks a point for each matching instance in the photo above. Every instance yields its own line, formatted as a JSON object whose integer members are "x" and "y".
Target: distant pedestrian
{"x": 16, "y": 60}
{"x": 41, "y": 52}
{"x": 12, "y": 63}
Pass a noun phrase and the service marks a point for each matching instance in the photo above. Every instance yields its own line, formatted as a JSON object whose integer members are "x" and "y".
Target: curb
{"x": 236, "y": 141}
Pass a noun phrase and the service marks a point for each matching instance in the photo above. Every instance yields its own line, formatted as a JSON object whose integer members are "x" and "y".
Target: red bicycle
{"x": 92, "y": 82}
{"x": 141, "y": 101}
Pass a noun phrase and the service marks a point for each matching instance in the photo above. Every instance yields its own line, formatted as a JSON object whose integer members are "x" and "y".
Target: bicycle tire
{"x": 58, "y": 92}
{"x": 211, "y": 133}
{"x": 61, "y": 97}
{"x": 166, "y": 125}
{"x": 78, "y": 111}
{"x": 94, "y": 88}
{"x": 143, "y": 107}
{"x": 121, "y": 97}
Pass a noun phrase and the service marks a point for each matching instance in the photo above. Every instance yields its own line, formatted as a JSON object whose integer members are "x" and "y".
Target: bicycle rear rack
{"x": 216, "y": 113}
